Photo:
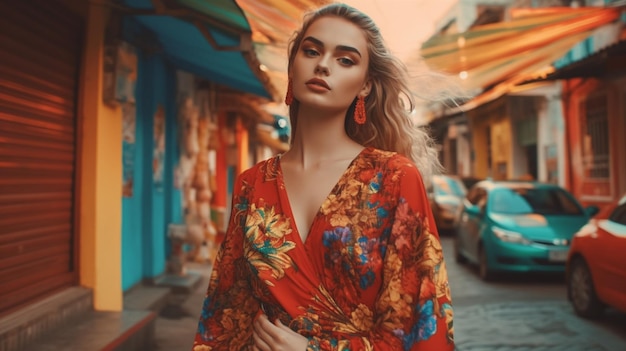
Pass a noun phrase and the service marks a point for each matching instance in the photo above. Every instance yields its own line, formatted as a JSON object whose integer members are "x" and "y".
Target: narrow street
{"x": 516, "y": 313}
{"x": 524, "y": 313}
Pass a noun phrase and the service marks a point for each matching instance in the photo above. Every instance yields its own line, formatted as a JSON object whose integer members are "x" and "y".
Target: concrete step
{"x": 180, "y": 284}
{"x": 30, "y": 323}
{"x": 103, "y": 331}
{"x": 67, "y": 321}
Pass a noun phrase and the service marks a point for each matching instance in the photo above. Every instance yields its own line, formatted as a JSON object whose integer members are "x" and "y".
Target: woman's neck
{"x": 320, "y": 137}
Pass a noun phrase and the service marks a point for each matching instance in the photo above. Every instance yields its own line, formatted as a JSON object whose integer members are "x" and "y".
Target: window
{"x": 595, "y": 137}
{"x": 507, "y": 201}
{"x": 545, "y": 201}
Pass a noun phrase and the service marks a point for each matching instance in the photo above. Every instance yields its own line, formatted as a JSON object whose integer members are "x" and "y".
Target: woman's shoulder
{"x": 394, "y": 170}
{"x": 266, "y": 168}
{"x": 389, "y": 160}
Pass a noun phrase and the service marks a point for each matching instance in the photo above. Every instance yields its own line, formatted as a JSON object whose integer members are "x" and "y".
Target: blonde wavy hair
{"x": 388, "y": 106}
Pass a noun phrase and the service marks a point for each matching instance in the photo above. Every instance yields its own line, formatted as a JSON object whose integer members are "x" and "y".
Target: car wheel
{"x": 458, "y": 256}
{"x": 484, "y": 272}
{"x": 581, "y": 292}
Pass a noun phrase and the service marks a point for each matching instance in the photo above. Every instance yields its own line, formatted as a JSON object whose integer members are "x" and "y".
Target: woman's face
{"x": 330, "y": 67}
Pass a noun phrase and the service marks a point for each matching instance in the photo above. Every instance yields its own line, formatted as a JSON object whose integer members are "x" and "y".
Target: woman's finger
{"x": 262, "y": 336}
{"x": 259, "y": 343}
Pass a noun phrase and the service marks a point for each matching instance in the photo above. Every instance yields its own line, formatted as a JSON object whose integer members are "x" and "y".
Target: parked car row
{"x": 527, "y": 226}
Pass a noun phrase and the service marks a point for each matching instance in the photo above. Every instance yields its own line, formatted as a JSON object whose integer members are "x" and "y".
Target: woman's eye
{"x": 346, "y": 61}
{"x": 310, "y": 52}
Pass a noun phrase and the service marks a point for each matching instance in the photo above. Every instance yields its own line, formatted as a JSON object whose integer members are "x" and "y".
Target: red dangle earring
{"x": 289, "y": 95}
{"x": 359, "y": 111}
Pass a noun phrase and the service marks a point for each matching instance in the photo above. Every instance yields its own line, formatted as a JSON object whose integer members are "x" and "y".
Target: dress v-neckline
{"x": 284, "y": 197}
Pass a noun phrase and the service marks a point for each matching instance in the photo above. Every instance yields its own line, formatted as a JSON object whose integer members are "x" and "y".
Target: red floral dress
{"x": 369, "y": 276}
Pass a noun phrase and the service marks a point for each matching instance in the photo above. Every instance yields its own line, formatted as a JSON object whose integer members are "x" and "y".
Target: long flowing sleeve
{"x": 229, "y": 307}
{"x": 413, "y": 308}
{"x": 415, "y": 302}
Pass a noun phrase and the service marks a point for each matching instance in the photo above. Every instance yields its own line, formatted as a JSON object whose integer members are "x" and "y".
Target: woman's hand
{"x": 276, "y": 336}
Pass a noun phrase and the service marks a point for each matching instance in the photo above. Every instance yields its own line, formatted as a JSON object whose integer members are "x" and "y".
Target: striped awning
{"x": 491, "y": 59}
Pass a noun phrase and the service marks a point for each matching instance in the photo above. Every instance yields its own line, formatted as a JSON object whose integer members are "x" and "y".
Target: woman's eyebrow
{"x": 339, "y": 47}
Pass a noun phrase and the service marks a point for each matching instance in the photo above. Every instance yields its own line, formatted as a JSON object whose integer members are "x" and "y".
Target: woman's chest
{"x": 346, "y": 244}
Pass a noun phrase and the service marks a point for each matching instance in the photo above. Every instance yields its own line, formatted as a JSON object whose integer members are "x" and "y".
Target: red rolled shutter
{"x": 40, "y": 49}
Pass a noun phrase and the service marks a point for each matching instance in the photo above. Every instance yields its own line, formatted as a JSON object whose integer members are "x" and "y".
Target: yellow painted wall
{"x": 491, "y": 116}
{"x": 100, "y": 175}
{"x": 478, "y": 130}
{"x": 501, "y": 148}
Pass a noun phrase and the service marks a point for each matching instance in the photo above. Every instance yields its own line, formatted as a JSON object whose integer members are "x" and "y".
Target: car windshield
{"x": 546, "y": 201}
{"x": 448, "y": 186}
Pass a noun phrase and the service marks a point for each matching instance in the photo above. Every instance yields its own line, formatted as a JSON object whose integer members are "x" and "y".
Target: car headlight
{"x": 509, "y": 236}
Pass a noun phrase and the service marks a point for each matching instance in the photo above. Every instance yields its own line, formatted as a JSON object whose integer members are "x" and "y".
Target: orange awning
{"x": 499, "y": 56}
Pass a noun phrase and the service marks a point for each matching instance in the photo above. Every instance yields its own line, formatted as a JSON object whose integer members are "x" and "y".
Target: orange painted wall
{"x": 591, "y": 191}
{"x": 100, "y": 175}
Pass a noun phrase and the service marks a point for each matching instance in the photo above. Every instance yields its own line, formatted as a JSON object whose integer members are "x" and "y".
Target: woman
{"x": 332, "y": 245}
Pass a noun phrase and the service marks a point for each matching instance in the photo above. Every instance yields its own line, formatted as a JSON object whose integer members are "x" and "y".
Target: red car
{"x": 596, "y": 263}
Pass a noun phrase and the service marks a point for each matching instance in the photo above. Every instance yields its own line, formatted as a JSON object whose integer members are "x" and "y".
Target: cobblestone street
{"x": 526, "y": 326}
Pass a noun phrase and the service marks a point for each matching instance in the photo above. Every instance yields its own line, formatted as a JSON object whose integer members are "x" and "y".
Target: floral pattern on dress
{"x": 371, "y": 274}
{"x": 267, "y": 248}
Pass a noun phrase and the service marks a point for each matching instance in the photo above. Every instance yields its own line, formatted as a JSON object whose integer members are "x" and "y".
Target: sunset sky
{"x": 405, "y": 24}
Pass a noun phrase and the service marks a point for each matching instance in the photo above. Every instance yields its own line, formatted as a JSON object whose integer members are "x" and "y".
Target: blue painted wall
{"x": 153, "y": 205}
{"x": 173, "y": 196}
{"x": 133, "y": 223}
{"x": 145, "y": 215}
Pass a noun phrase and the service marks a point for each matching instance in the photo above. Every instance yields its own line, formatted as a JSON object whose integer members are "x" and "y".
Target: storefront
{"x": 170, "y": 169}
{"x": 39, "y": 70}
{"x": 595, "y": 104}
{"x": 90, "y": 147}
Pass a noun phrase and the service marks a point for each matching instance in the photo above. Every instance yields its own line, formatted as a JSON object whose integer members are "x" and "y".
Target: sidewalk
{"x": 177, "y": 323}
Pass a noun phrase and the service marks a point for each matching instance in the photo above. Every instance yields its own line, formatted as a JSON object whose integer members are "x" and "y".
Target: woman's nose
{"x": 322, "y": 67}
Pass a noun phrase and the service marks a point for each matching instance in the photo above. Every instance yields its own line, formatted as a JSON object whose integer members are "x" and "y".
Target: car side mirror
{"x": 592, "y": 210}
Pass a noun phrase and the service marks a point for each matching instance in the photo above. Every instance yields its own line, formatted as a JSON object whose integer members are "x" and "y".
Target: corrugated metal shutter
{"x": 40, "y": 47}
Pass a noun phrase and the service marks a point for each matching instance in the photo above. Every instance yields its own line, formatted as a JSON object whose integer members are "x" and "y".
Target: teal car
{"x": 518, "y": 226}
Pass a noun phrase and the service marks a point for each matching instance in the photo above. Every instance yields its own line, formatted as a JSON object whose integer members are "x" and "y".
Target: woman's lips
{"x": 317, "y": 84}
